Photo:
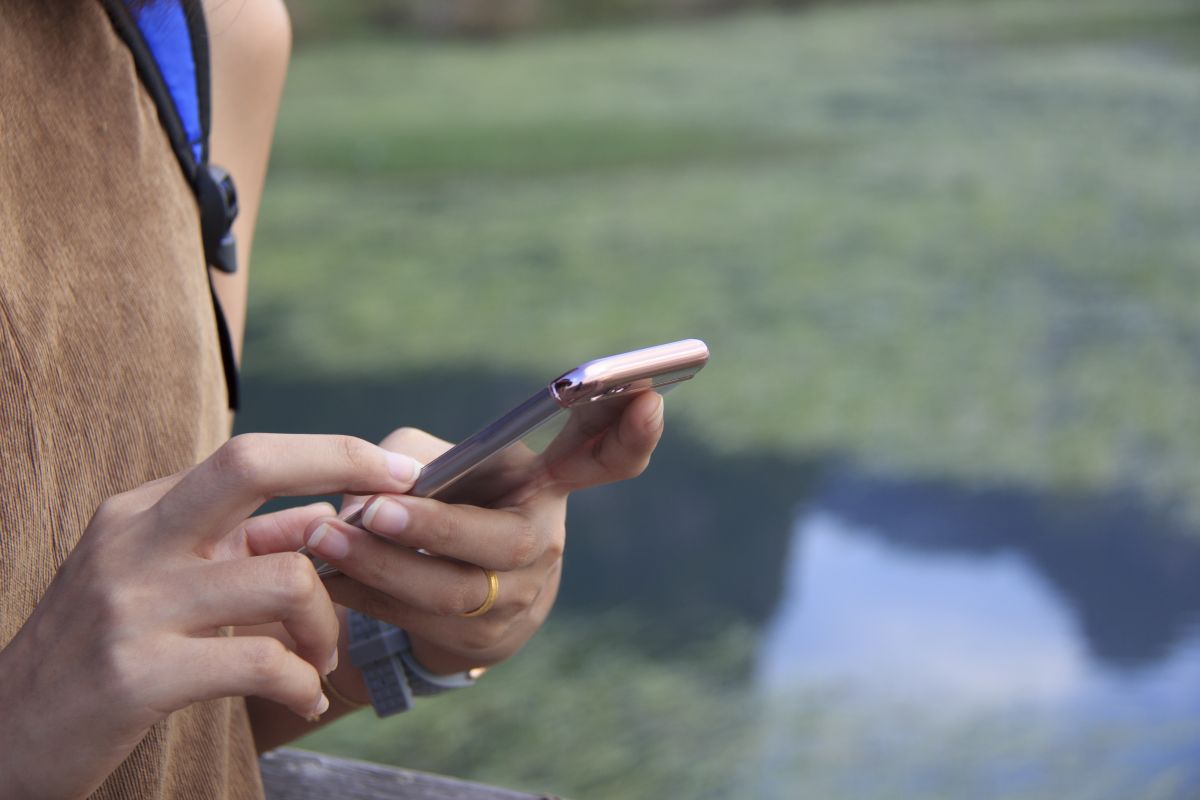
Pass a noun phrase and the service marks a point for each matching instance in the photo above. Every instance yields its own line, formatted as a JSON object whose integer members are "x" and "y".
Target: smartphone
{"x": 517, "y": 453}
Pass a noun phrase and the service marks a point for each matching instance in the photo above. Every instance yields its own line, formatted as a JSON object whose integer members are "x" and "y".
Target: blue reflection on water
{"x": 972, "y": 631}
{"x": 980, "y": 636}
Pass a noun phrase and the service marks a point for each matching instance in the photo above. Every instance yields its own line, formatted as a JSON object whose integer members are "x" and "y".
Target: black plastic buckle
{"x": 218, "y": 201}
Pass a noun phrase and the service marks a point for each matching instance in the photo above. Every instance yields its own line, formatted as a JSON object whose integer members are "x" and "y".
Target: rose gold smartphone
{"x": 518, "y": 453}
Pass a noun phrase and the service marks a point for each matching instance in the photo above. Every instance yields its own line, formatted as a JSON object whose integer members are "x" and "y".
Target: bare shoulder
{"x": 250, "y": 42}
{"x": 254, "y": 30}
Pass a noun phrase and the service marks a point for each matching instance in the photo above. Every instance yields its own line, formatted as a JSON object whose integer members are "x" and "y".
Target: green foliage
{"x": 908, "y": 235}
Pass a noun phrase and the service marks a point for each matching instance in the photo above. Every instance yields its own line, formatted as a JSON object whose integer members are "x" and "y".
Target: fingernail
{"x": 656, "y": 417}
{"x": 321, "y": 707}
{"x": 386, "y": 516}
{"x": 328, "y": 542}
{"x": 402, "y": 467}
{"x": 332, "y": 662}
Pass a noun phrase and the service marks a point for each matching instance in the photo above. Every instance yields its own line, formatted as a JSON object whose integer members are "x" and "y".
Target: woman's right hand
{"x": 130, "y": 628}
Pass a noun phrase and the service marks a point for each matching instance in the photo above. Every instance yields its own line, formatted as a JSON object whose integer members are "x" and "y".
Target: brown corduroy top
{"x": 110, "y": 369}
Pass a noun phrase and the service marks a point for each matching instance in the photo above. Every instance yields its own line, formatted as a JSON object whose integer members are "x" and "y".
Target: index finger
{"x": 249, "y": 469}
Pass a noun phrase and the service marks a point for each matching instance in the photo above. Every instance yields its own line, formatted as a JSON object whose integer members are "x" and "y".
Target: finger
{"x": 422, "y": 446}
{"x": 284, "y": 530}
{"x": 352, "y": 503}
{"x": 498, "y": 539}
{"x": 622, "y": 451}
{"x": 376, "y": 604}
{"x": 625, "y": 449}
{"x": 248, "y": 469}
{"x": 454, "y": 644}
{"x": 235, "y": 666}
{"x": 438, "y": 586}
{"x": 282, "y": 587}
{"x": 419, "y": 444}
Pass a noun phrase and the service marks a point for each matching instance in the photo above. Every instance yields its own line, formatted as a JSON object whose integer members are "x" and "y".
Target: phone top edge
{"x": 637, "y": 368}
{"x": 657, "y": 367}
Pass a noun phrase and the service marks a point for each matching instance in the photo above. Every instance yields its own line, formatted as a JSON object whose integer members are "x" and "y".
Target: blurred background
{"x": 929, "y": 523}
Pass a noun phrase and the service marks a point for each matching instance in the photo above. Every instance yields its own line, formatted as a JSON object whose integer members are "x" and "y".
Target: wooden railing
{"x": 299, "y": 775}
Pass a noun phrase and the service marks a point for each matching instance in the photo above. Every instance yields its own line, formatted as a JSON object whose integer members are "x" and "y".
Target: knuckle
{"x": 442, "y": 531}
{"x": 120, "y": 670}
{"x": 486, "y": 635}
{"x": 526, "y": 546}
{"x": 265, "y": 660}
{"x": 374, "y": 572}
{"x": 294, "y": 580}
{"x": 354, "y": 452}
{"x": 406, "y": 438}
{"x": 109, "y": 511}
{"x": 406, "y": 434}
{"x": 112, "y": 518}
{"x": 415, "y": 442}
{"x": 240, "y": 458}
{"x": 116, "y": 607}
{"x": 557, "y": 544}
{"x": 455, "y": 598}
{"x": 525, "y": 595}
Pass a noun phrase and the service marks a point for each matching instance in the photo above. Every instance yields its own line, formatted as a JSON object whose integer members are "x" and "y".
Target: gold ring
{"x": 490, "y": 600}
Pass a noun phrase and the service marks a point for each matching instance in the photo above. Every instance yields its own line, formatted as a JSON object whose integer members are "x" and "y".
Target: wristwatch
{"x": 383, "y": 653}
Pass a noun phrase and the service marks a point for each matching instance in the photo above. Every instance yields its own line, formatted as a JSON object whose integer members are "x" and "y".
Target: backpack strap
{"x": 169, "y": 43}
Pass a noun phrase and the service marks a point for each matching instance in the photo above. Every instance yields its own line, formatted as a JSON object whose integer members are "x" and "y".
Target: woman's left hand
{"x": 385, "y": 577}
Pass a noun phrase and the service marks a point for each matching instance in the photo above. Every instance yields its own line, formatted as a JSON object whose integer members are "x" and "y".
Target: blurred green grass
{"x": 950, "y": 238}
{"x": 911, "y": 233}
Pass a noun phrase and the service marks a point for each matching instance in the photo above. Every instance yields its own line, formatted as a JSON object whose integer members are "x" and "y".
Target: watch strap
{"x": 383, "y": 653}
{"x": 373, "y": 649}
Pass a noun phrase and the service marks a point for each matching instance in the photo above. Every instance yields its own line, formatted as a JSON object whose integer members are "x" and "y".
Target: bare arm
{"x": 250, "y": 42}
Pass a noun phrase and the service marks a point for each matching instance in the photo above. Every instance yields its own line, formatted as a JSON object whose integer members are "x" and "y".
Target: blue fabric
{"x": 164, "y": 26}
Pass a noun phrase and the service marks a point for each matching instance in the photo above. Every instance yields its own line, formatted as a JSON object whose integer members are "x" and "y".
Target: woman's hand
{"x": 386, "y": 577}
{"x": 130, "y": 628}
